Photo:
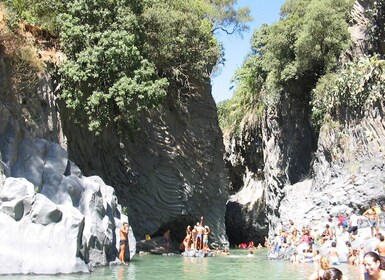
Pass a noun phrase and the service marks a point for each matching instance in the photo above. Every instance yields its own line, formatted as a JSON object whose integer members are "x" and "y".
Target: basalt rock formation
{"x": 170, "y": 173}
{"x": 306, "y": 179}
{"x": 50, "y": 210}
{"x": 53, "y": 218}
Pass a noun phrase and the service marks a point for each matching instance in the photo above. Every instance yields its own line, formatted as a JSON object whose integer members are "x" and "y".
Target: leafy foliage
{"x": 376, "y": 28}
{"x": 122, "y": 55}
{"x": 349, "y": 90}
{"x": 226, "y": 18}
{"x": 179, "y": 40}
{"x": 293, "y": 52}
{"x": 39, "y": 12}
{"x": 106, "y": 73}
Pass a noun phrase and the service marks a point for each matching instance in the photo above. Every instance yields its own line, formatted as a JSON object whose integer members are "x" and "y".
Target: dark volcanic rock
{"x": 170, "y": 173}
{"x": 304, "y": 180}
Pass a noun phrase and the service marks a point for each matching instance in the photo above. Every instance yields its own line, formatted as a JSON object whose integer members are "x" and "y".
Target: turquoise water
{"x": 236, "y": 266}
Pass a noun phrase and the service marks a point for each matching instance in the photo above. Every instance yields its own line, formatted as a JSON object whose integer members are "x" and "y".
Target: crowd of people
{"x": 197, "y": 238}
{"x": 344, "y": 238}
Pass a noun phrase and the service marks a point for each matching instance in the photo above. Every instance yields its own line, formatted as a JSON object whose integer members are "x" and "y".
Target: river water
{"x": 236, "y": 266}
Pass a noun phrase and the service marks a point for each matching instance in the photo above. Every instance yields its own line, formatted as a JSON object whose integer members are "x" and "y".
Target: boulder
{"x": 50, "y": 210}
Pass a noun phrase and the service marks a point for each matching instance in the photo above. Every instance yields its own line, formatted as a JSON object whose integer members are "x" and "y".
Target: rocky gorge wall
{"x": 171, "y": 173}
{"x": 305, "y": 178}
{"x": 47, "y": 207}
{"x": 166, "y": 175}
{"x": 53, "y": 219}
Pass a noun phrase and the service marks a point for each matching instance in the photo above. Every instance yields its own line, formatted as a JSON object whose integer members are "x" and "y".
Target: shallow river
{"x": 236, "y": 266}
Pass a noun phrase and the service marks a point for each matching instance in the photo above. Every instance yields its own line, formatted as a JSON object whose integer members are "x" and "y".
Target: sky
{"x": 237, "y": 48}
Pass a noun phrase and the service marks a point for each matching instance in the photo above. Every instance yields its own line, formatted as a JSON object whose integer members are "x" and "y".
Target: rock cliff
{"x": 166, "y": 175}
{"x": 304, "y": 178}
{"x": 170, "y": 173}
{"x": 48, "y": 208}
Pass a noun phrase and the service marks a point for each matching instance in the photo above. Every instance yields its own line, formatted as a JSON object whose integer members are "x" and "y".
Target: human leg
{"x": 121, "y": 253}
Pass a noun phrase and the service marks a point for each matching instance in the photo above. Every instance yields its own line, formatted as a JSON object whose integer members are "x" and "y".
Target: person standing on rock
{"x": 372, "y": 216}
{"x": 187, "y": 239}
{"x": 123, "y": 241}
{"x": 206, "y": 239}
{"x": 200, "y": 231}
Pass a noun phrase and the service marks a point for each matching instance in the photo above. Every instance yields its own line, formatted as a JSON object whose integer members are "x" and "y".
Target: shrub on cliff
{"x": 348, "y": 92}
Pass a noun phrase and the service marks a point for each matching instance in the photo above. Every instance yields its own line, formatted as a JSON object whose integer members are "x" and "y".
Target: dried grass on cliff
{"x": 21, "y": 62}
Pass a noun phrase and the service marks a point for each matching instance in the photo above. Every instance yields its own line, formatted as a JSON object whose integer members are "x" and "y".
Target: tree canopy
{"x": 301, "y": 47}
{"x": 123, "y": 56}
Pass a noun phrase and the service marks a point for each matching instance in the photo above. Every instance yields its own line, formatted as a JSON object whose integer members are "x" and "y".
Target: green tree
{"x": 180, "y": 37}
{"x": 122, "y": 56}
{"x": 226, "y": 17}
{"x": 349, "y": 91}
{"x": 38, "y": 12}
{"x": 293, "y": 53}
{"x": 106, "y": 73}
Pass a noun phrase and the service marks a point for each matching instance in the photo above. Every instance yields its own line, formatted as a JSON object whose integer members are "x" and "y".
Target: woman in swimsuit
{"x": 206, "y": 239}
{"x": 373, "y": 267}
{"x": 187, "y": 239}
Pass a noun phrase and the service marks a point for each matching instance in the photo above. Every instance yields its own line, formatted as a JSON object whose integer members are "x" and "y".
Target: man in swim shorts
{"x": 200, "y": 231}
{"x": 372, "y": 216}
{"x": 123, "y": 241}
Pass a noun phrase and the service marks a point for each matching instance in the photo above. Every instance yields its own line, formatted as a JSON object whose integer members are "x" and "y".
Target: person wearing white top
{"x": 353, "y": 225}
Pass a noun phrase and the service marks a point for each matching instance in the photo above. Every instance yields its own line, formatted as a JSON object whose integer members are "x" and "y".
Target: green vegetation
{"x": 289, "y": 55}
{"x": 41, "y": 13}
{"x": 106, "y": 73}
{"x": 123, "y": 56}
{"x": 350, "y": 90}
{"x": 376, "y": 31}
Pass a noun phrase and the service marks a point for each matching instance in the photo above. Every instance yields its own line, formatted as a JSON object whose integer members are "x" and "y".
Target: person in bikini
{"x": 206, "y": 239}
{"x": 123, "y": 241}
{"x": 187, "y": 239}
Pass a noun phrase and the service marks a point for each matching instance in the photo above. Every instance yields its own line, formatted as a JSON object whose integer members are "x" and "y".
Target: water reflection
{"x": 126, "y": 272}
{"x": 195, "y": 268}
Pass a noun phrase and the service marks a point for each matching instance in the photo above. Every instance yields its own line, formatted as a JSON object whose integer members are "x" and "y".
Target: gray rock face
{"x": 50, "y": 210}
{"x": 245, "y": 209}
{"x": 307, "y": 181}
{"x": 170, "y": 174}
{"x": 282, "y": 145}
